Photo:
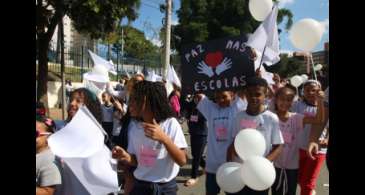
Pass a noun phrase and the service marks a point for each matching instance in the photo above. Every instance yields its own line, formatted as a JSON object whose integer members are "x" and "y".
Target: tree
{"x": 93, "y": 17}
{"x": 135, "y": 44}
{"x": 203, "y": 20}
{"x": 288, "y": 66}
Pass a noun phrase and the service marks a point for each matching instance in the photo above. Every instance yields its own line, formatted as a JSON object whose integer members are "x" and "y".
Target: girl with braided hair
{"x": 156, "y": 143}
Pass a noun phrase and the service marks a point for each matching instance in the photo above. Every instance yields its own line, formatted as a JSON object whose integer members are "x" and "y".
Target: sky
{"x": 150, "y": 18}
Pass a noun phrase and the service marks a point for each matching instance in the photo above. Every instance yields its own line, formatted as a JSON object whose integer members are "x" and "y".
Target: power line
{"x": 148, "y": 5}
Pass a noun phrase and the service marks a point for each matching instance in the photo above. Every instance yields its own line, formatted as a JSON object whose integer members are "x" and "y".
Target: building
{"x": 75, "y": 44}
{"x": 319, "y": 57}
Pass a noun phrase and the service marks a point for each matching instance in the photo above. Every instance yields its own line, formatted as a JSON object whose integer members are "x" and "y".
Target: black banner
{"x": 222, "y": 64}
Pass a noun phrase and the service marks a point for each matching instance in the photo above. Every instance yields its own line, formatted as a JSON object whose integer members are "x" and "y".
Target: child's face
{"x": 41, "y": 140}
{"x": 105, "y": 98}
{"x": 284, "y": 101}
{"x": 310, "y": 92}
{"x": 223, "y": 98}
{"x": 255, "y": 96}
{"x": 76, "y": 101}
{"x": 134, "y": 109}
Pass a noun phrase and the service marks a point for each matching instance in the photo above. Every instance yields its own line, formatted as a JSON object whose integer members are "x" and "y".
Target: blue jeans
{"x": 149, "y": 188}
{"x": 292, "y": 180}
{"x": 198, "y": 143}
{"x": 211, "y": 185}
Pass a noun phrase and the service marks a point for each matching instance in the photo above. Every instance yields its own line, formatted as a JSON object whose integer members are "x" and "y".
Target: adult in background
{"x": 198, "y": 139}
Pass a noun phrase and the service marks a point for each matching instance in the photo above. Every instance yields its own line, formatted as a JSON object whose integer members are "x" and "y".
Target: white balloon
{"x": 249, "y": 142}
{"x": 318, "y": 67}
{"x": 229, "y": 177}
{"x": 304, "y": 77}
{"x": 306, "y": 34}
{"x": 258, "y": 173}
{"x": 296, "y": 81}
{"x": 260, "y": 9}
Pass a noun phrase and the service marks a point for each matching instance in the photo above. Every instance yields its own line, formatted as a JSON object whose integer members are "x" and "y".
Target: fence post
{"x": 117, "y": 64}
{"x": 82, "y": 62}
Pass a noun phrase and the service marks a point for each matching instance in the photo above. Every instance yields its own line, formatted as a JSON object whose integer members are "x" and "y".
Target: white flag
{"x": 101, "y": 61}
{"x": 80, "y": 144}
{"x": 267, "y": 35}
{"x": 172, "y": 76}
{"x": 153, "y": 77}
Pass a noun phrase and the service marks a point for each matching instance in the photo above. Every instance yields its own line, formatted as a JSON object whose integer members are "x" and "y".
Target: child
{"x": 174, "y": 99}
{"x": 219, "y": 118}
{"x": 198, "y": 139}
{"x": 48, "y": 176}
{"x": 308, "y": 168}
{"x": 291, "y": 124}
{"x": 257, "y": 117}
{"x": 124, "y": 94}
{"x": 156, "y": 143}
{"x": 79, "y": 97}
{"x": 119, "y": 111}
{"x": 107, "y": 110}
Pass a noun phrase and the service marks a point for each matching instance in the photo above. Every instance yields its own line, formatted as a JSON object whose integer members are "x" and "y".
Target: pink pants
{"x": 308, "y": 171}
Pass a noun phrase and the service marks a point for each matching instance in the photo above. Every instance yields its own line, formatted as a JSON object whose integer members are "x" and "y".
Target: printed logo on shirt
{"x": 222, "y": 133}
{"x": 221, "y": 128}
{"x": 244, "y": 124}
{"x": 147, "y": 156}
{"x": 288, "y": 137}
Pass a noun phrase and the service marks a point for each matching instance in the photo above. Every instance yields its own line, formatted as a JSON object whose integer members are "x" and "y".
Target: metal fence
{"x": 78, "y": 62}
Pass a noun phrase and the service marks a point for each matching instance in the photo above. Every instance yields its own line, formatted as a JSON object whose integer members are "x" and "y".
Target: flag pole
{"x": 314, "y": 71}
{"x": 262, "y": 57}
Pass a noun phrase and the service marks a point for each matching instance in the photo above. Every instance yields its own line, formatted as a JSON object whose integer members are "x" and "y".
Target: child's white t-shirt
{"x": 267, "y": 123}
{"x": 307, "y": 110}
{"x": 107, "y": 113}
{"x": 154, "y": 162}
{"x": 220, "y": 126}
{"x": 242, "y": 103}
{"x": 289, "y": 157}
{"x": 116, "y": 121}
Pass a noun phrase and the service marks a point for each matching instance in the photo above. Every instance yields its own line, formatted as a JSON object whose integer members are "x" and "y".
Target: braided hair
{"x": 91, "y": 102}
{"x": 156, "y": 98}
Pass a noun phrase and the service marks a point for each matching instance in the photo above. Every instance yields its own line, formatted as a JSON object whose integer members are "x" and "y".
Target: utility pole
{"x": 167, "y": 38}
{"x": 122, "y": 50}
{"x": 63, "y": 96}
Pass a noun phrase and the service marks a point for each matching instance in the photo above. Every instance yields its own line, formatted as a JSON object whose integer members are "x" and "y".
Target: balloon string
{"x": 283, "y": 179}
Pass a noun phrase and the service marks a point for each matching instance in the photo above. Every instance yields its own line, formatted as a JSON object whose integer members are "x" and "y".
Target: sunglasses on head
{"x": 38, "y": 133}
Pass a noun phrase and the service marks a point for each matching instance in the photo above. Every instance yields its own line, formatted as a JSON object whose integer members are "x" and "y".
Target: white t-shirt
{"x": 107, "y": 113}
{"x": 242, "y": 103}
{"x": 306, "y": 110}
{"x": 116, "y": 121}
{"x": 267, "y": 123}
{"x": 290, "y": 129}
{"x": 154, "y": 162}
{"x": 220, "y": 126}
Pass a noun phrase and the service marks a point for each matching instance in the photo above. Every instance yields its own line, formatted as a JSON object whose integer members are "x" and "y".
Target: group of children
{"x": 150, "y": 146}
{"x": 285, "y": 124}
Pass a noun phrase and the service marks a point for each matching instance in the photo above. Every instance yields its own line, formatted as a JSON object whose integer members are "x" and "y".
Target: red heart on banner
{"x": 213, "y": 59}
